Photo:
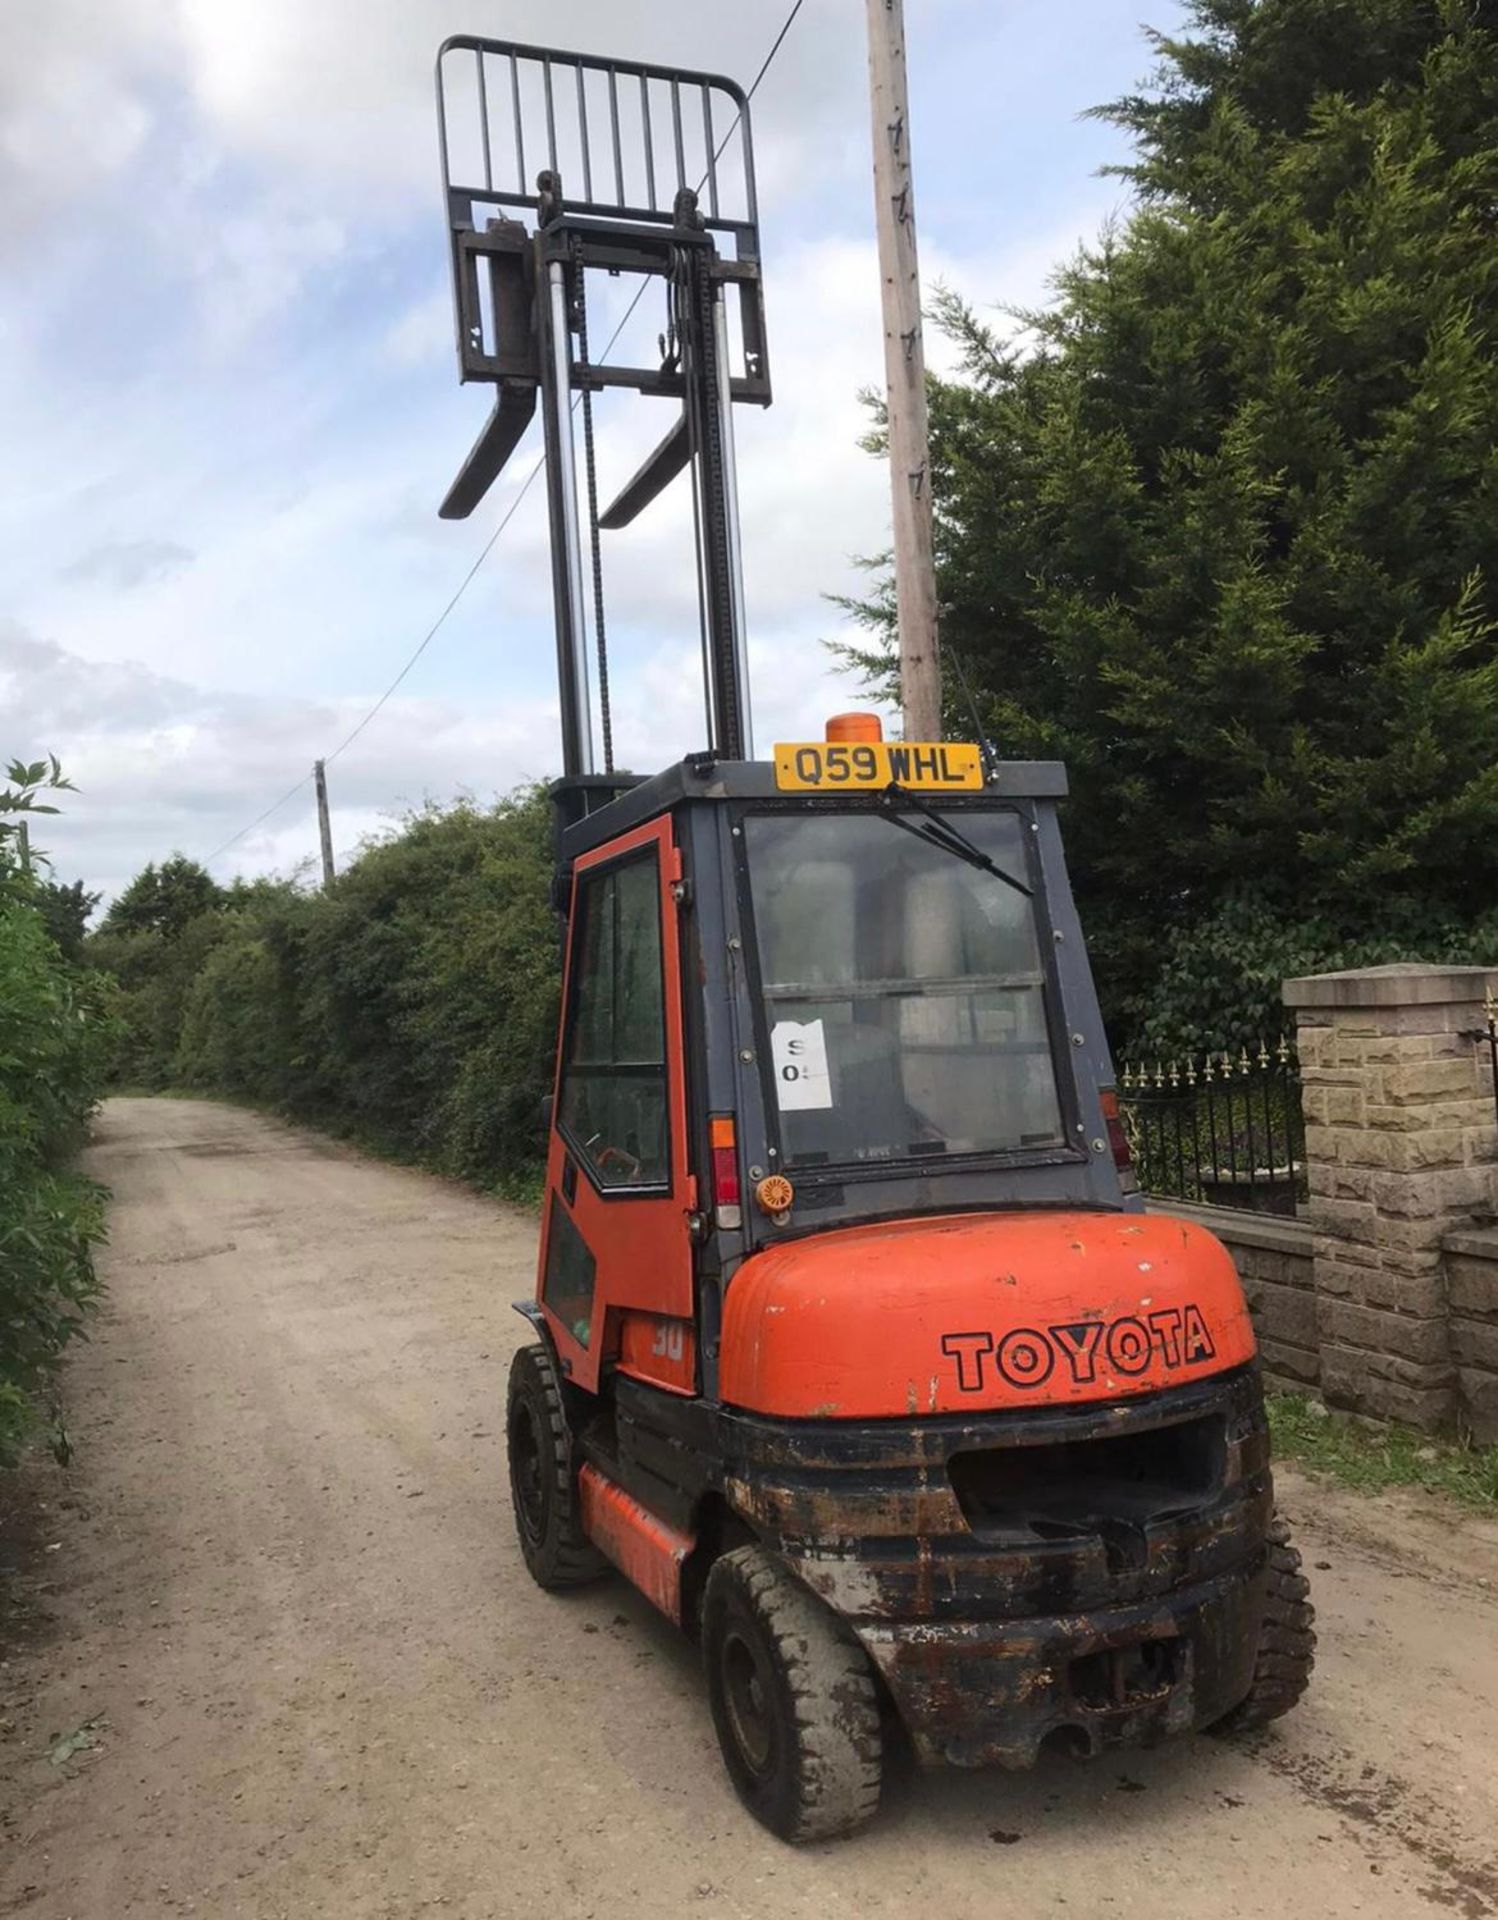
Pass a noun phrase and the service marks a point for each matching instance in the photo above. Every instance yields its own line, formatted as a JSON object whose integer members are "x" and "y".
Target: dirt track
{"x": 281, "y": 1585}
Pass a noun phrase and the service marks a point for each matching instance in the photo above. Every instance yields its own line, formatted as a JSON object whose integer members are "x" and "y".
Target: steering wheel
{"x": 611, "y": 1156}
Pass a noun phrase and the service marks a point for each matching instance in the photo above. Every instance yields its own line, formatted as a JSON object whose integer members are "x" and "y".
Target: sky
{"x": 230, "y": 400}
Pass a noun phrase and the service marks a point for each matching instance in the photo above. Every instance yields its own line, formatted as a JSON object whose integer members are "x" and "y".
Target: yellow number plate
{"x": 820, "y": 767}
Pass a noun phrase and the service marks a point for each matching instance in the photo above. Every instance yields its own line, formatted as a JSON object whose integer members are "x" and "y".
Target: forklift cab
{"x": 788, "y": 1013}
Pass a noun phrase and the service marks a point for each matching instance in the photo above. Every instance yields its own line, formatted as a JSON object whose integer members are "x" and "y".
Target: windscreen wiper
{"x": 938, "y": 831}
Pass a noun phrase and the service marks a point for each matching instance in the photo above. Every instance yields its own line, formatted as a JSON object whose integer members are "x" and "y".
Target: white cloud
{"x": 163, "y": 765}
{"x": 251, "y": 267}
{"x": 346, "y": 88}
{"x": 341, "y": 90}
{"x": 123, "y": 564}
{"x": 75, "y": 79}
{"x": 231, "y": 465}
{"x": 422, "y": 334}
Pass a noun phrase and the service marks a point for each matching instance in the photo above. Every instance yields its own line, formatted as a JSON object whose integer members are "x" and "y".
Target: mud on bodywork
{"x": 1075, "y": 1577}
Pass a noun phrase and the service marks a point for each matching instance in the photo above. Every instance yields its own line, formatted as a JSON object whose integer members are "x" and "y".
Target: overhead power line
{"x": 275, "y": 807}
{"x": 514, "y": 507}
{"x": 769, "y": 61}
{"x": 436, "y": 627}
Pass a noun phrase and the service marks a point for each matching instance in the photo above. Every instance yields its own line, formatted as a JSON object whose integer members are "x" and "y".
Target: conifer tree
{"x": 1220, "y": 527}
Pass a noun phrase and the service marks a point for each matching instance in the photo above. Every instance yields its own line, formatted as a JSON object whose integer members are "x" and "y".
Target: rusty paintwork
{"x": 977, "y": 1621}
{"x": 871, "y": 1519}
{"x": 646, "y": 1551}
{"x": 976, "y": 1695}
{"x": 981, "y": 1311}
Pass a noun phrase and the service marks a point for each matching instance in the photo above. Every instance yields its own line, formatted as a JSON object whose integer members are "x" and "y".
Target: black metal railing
{"x": 1219, "y": 1130}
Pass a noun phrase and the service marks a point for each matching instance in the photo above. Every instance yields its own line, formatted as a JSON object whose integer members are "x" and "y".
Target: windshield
{"x": 904, "y": 991}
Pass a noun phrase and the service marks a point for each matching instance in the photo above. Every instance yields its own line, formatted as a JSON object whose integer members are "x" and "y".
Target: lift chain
{"x": 600, "y": 632}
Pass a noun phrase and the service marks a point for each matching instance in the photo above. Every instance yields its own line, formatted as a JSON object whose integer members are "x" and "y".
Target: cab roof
{"x": 598, "y": 808}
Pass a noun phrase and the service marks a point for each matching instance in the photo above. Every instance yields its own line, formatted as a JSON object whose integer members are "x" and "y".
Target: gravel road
{"x": 277, "y": 1605}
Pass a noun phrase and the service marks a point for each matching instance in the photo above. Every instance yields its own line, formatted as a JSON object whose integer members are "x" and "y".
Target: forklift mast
{"x": 641, "y": 172}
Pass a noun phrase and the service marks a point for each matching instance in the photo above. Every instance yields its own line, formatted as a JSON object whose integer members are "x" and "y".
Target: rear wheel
{"x": 543, "y": 1486}
{"x": 793, "y": 1700}
{"x": 1287, "y": 1641}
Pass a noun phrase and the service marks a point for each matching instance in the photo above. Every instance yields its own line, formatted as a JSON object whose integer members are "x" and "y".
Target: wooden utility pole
{"x": 905, "y": 374}
{"x": 324, "y": 824}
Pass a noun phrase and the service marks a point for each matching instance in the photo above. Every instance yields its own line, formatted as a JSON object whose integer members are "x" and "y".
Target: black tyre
{"x": 793, "y": 1700}
{"x": 1287, "y": 1641}
{"x": 543, "y": 1486}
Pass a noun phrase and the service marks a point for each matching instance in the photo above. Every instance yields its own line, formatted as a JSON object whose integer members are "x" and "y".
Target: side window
{"x": 571, "y": 1274}
{"x": 613, "y": 1107}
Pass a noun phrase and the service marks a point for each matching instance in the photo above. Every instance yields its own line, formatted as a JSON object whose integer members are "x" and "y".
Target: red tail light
{"x": 1118, "y": 1140}
{"x": 725, "y": 1146}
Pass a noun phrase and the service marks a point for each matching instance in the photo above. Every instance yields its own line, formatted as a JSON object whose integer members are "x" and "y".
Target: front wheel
{"x": 543, "y": 1486}
{"x": 793, "y": 1700}
{"x": 1287, "y": 1641}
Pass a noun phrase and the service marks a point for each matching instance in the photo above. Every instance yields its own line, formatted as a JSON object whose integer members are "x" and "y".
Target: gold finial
{"x": 1209, "y": 1072}
{"x": 1190, "y": 1069}
{"x": 1244, "y": 1063}
{"x": 1175, "y": 1074}
{"x": 1282, "y": 1051}
{"x": 1263, "y": 1060}
{"x": 1159, "y": 1075}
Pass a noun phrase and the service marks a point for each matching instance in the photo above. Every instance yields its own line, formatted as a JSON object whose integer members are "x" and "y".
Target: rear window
{"x": 904, "y": 989}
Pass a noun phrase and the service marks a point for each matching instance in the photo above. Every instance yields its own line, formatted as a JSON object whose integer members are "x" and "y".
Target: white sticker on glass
{"x": 799, "y": 1052}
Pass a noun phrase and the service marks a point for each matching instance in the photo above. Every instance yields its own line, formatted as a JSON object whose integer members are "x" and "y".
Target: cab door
{"x": 616, "y": 1256}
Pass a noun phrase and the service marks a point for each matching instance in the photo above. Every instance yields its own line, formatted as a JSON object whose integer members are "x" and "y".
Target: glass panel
{"x": 614, "y": 1085}
{"x": 639, "y": 1007}
{"x": 904, "y": 988}
{"x": 593, "y": 1036}
{"x": 570, "y": 1274}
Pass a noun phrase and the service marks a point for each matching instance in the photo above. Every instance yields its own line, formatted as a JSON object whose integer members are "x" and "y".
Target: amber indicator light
{"x": 723, "y": 1138}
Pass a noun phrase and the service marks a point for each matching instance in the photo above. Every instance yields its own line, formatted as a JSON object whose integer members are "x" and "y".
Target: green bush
{"x": 230, "y": 1027}
{"x": 1218, "y": 979}
{"x": 155, "y": 974}
{"x": 413, "y": 1008}
{"x": 56, "y": 1028}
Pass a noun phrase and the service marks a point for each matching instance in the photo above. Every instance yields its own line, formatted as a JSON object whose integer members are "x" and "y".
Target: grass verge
{"x": 1372, "y": 1459}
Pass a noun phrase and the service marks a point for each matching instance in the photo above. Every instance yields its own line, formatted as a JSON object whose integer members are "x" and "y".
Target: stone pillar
{"x": 1400, "y": 1150}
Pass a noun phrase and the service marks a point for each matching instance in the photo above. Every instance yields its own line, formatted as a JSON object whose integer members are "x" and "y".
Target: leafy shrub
{"x": 1219, "y": 978}
{"x": 229, "y": 1032}
{"x": 56, "y": 1028}
{"x": 155, "y": 973}
{"x": 413, "y": 1008}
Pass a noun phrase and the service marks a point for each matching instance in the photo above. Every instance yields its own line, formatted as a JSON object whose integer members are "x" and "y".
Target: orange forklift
{"x": 855, "y": 1348}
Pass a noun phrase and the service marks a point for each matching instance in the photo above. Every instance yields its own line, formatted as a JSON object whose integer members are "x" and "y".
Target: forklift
{"x": 855, "y": 1348}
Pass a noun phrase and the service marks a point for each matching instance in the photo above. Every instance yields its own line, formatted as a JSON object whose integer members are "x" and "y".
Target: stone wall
{"x": 1401, "y": 1145}
{"x": 1472, "y": 1300}
{"x": 1383, "y": 1294}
